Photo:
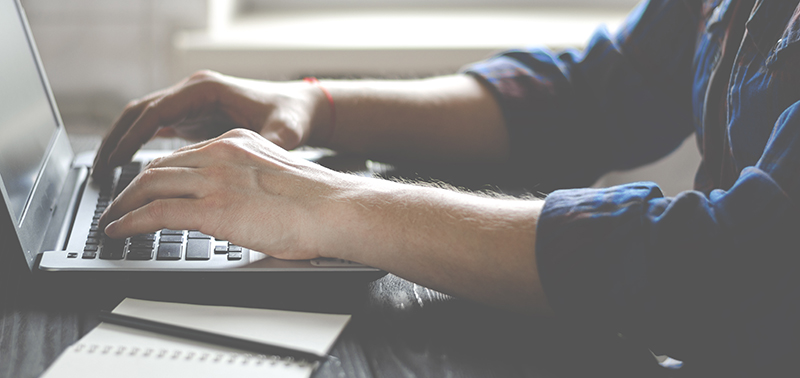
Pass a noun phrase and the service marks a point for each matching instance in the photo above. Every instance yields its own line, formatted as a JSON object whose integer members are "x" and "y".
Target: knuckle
{"x": 147, "y": 176}
{"x": 132, "y": 104}
{"x": 156, "y": 162}
{"x": 152, "y": 105}
{"x": 237, "y": 133}
{"x": 222, "y": 147}
{"x": 203, "y": 75}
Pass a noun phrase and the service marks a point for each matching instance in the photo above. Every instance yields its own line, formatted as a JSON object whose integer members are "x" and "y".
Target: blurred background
{"x": 100, "y": 54}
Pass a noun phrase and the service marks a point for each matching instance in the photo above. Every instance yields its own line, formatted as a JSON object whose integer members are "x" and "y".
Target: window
{"x": 284, "y": 39}
{"x": 255, "y": 6}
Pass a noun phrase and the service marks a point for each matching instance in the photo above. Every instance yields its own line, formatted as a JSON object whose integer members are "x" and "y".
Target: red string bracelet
{"x": 314, "y": 80}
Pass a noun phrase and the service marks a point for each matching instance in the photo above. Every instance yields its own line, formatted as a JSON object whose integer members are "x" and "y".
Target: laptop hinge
{"x": 60, "y": 225}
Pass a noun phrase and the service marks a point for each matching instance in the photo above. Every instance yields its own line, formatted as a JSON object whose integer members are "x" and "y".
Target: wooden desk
{"x": 398, "y": 329}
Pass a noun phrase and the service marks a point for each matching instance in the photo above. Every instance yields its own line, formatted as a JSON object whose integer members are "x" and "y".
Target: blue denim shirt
{"x": 710, "y": 276}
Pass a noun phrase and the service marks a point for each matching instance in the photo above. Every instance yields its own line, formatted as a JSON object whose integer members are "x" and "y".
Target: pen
{"x": 208, "y": 337}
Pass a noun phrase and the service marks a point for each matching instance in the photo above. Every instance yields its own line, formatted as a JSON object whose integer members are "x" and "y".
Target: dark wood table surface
{"x": 398, "y": 329}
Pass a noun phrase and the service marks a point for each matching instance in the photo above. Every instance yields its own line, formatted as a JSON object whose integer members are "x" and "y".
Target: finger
{"x": 191, "y": 156}
{"x": 151, "y": 185}
{"x": 167, "y": 110}
{"x": 172, "y": 213}
{"x": 185, "y": 157}
{"x": 198, "y": 145}
{"x": 166, "y": 132}
{"x": 133, "y": 110}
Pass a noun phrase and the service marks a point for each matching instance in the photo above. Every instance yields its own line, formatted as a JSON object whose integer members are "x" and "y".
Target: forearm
{"x": 465, "y": 245}
{"x": 451, "y": 118}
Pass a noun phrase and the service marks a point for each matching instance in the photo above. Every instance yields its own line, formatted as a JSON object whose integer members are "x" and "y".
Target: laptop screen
{"x": 27, "y": 121}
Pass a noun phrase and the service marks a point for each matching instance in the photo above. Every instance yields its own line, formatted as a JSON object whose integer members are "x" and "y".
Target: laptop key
{"x": 113, "y": 249}
{"x": 112, "y": 253}
{"x": 198, "y": 249}
{"x": 140, "y": 253}
{"x": 169, "y": 251}
{"x": 171, "y": 232}
{"x": 150, "y": 237}
{"x": 171, "y": 239}
{"x": 221, "y": 249}
{"x": 89, "y": 255}
{"x": 142, "y": 244}
{"x": 198, "y": 235}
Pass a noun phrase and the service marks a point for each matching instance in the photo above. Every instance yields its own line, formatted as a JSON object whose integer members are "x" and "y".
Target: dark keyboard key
{"x": 171, "y": 239}
{"x": 113, "y": 249}
{"x": 111, "y": 253}
{"x": 91, "y": 248}
{"x": 198, "y": 235}
{"x": 198, "y": 249}
{"x": 169, "y": 251}
{"x": 93, "y": 234}
{"x": 171, "y": 232}
{"x": 91, "y": 241}
{"x": 234, "y": 255}
{"x": 142, "y": 244}
{"x": 72, "y": 255}
{"x": 89, "y": 255}
{"x": 150, "y": 237}
{"x": 127, "y": 173}
{"x": 140, "y": 254}
{"x": 143, "y": 238}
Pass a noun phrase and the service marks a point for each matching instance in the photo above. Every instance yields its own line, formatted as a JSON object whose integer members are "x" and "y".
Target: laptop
{"x": 51, "y": 204}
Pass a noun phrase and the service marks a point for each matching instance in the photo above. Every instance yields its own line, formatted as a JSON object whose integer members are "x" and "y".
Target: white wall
{"x": 99, "y": 54}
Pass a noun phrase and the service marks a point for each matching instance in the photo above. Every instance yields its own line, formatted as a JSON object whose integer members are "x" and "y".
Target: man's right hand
{"x": 207, "y": 104}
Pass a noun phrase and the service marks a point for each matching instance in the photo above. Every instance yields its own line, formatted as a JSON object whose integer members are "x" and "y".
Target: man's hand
{"x": 239, "y": 187}
{"x": 245, "y": 189}
{"x": 208, "y": 104}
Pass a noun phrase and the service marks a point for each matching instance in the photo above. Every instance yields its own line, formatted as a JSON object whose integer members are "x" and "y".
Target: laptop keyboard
{"x": 166, "y": 245}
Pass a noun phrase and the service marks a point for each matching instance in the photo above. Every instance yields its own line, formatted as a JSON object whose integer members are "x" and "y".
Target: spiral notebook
{"x": 115, "y": 351}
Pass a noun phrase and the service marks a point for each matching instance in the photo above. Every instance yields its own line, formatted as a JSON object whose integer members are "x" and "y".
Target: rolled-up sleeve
{"x": 623, "y": 101}
{"x": 709, "y": 278}
{"x": 704, "y": 278}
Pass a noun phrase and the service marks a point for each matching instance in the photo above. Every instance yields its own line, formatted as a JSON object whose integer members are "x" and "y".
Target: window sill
{"x": 288, "y": 44}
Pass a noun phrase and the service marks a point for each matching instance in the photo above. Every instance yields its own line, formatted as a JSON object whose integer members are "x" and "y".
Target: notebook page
{"x": 311, "y": 332}
{"x": 116, "y": 351}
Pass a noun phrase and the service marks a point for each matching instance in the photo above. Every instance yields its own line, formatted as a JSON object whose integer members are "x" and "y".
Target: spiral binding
{"x": 191, "y": 356}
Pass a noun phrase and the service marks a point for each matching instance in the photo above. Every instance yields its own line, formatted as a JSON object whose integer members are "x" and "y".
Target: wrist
{"x": 350, "y": 217}
{"x": 323, "y": 121}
